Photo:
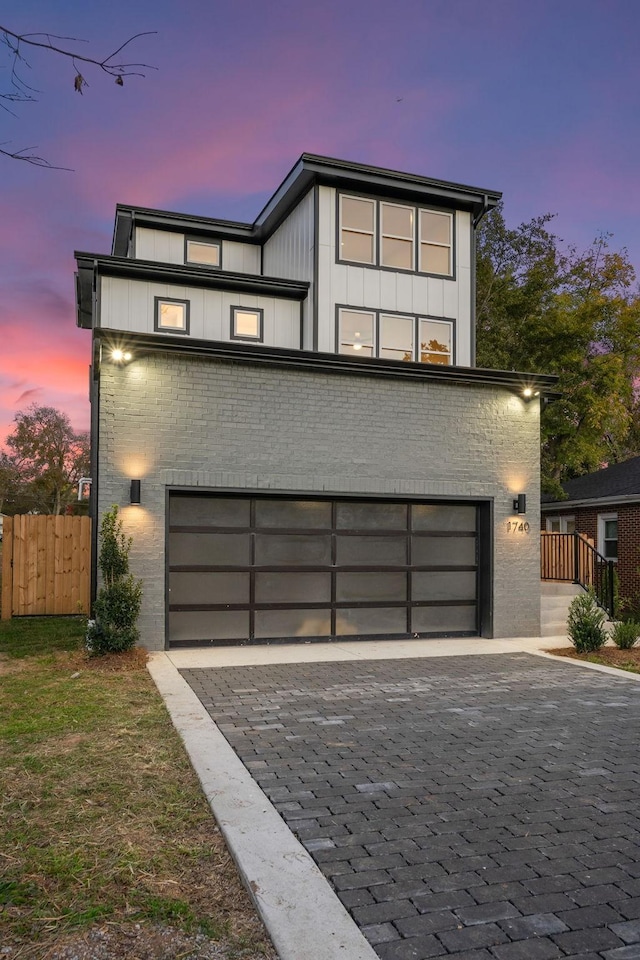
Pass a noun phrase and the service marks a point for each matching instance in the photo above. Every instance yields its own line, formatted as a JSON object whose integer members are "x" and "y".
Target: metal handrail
{"x": 572, "y": 557}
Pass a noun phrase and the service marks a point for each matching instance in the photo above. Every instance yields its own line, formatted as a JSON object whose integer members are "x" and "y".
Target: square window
{"x": 435, "y": 341}
{"x": 171, "y": 315}
{"x": 356, "y": 333}
{"x": 203, "y": 253}
{"x": 247, "y": 323}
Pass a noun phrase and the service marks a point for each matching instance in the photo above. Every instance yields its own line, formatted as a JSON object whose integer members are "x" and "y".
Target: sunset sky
{"x": 538, "y": 99}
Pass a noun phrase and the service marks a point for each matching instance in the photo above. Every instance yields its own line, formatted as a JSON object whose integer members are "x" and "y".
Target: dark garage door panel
{"x": 271, "y": 568}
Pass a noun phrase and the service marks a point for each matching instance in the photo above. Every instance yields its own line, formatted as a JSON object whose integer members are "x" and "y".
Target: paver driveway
{"x": 470, "y": 807}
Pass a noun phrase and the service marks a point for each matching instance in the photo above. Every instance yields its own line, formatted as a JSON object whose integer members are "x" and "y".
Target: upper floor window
{"x": 395, "y": 236}
{"x": 372, "y": 333}
{"x": 247, "y": 324}
{"x": 357, "y": 234}
{"x": 203, "y": 253}
{"x": 171, "y": 315}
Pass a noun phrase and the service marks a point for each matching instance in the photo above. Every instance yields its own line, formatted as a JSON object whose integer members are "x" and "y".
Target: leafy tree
{"x": 46, "y": 461}
{"x": 543, "y": 308}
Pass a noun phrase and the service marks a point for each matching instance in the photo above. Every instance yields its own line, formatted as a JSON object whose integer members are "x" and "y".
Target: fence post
{"x": 612, "y": 611}
{"x": 576, "y": 559}
{"x": 7, "y": 568}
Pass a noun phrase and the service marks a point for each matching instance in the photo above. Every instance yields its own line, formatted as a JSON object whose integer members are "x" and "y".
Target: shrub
{"x": 117, "y": 606}
{"x": 625, "y": 633}
{"x": 585, "y": 625}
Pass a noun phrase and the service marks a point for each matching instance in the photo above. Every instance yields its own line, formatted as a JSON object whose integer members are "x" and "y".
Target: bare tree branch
{"x": 19, "y": 91}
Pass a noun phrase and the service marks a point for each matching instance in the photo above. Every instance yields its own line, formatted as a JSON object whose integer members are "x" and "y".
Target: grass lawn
{"x": 104, "y": 831}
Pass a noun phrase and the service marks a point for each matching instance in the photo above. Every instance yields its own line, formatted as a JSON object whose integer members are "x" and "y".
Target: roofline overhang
{"x": 308, "y": 170}
{"x": 590, "y": 502}
{"x": 142, "y": 344}
{"x": 91, "y": 266}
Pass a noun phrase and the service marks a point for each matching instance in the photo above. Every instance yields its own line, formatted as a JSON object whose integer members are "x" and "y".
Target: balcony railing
{"x": 574, "y": 558}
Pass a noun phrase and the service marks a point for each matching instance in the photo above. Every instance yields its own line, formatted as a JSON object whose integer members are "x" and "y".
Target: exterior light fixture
{"x": 527, "y": 392}
{"x": 519, "y": 503}
{"x": 120, "y": 356}
{"x": 134, "y": 493}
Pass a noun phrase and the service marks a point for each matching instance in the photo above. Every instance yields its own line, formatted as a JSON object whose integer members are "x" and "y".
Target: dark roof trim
{"x": 594, "y": 502}
{"x": 307, "y": 171}
{"x": 185, "y": 275}
{"x": 325, "y": 362}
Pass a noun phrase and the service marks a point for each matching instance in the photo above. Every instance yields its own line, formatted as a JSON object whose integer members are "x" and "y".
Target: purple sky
{"x": 540, "y": 100}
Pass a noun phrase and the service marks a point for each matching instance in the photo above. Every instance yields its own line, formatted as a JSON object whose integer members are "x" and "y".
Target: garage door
{"x": 267, "y": 568}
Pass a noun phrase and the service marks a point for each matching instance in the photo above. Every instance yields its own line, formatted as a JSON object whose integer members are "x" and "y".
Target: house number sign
{"x": 518, "y": 526}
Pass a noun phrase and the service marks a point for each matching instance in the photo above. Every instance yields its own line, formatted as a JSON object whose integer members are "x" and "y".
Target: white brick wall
{"x": 207, "y": 423}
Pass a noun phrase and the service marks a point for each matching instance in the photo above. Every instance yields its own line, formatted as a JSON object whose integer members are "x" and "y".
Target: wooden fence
{"x": 559, "y": 553}
{"x": 46, "y": 566}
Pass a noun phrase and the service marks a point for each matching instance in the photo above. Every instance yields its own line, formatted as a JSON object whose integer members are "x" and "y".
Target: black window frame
{"x": 158, "y": 328}
{"x": 235, "y": 308}
{"x": 377, "y": 314}
{"x": 377, "y": 234}
{"x": 205, "y": 242}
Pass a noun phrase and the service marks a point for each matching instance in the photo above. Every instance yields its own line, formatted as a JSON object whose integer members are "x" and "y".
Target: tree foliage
{"x": 545, "y": 308}
{"x": 117, "y": 605}
{"x": 46, "y": 459}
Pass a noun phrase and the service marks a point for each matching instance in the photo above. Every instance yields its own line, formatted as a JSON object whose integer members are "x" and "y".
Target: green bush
{"x": 117, "y": 606}
{"x": 625, "y": 633}
{"x": 585, "y": 625}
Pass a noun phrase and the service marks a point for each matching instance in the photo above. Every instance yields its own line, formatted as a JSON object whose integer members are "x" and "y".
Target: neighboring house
{"x": 605, "y": 507}
{"x": 317, "y": 454}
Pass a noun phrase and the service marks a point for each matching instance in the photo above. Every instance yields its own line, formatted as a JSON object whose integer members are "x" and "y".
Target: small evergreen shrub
{"x": 117, "y": 606}
{"x": 625, "y": 633}
{"x": 585, "y": 624}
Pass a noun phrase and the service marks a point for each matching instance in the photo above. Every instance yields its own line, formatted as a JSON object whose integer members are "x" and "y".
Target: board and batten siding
{"x": 289, "y": 253}
{"x": 400, "y": 292}
{"x": 164, "y": 246}
{"x": 130, "y": 305}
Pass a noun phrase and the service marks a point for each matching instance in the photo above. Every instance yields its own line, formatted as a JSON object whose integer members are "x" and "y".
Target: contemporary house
{"x": 289, "y": 414}
{"x": 605, "y": 508}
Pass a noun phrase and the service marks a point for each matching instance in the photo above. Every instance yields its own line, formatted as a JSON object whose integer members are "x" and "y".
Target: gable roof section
{"x": 621, "y": 480}
{"x": 309, "y": 170}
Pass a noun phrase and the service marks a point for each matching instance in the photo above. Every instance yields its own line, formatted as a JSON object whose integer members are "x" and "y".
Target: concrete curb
{"x": 304, "y": 918}
{"x": 599, "y": 667}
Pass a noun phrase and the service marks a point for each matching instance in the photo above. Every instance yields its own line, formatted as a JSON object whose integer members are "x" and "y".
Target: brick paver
{"x": 484, "y": 807}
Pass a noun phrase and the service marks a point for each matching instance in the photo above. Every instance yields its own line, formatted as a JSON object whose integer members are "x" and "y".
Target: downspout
{"x": 484, "y": 209}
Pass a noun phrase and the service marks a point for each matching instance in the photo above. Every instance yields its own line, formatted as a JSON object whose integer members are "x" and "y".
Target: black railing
{"x": 571, "y": 557}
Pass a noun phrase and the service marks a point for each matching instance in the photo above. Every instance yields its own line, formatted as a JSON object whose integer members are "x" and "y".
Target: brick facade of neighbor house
{"x": 611, "y": 492}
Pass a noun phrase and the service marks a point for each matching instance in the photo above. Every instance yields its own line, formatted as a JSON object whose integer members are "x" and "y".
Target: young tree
{"x": 543, "y": 308}
{"x": 46, "y": 461}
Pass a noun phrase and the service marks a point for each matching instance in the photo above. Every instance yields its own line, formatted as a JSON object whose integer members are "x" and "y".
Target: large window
{"x": 371, "y": 333}
{"x": 395, "y": 236}
{"x": 357, "y": 237}
{"x": 171, "y": 316}
{"x": 608, "y": 535}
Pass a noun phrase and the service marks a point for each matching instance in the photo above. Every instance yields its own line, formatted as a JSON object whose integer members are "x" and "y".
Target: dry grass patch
{"x": 105, "y": 836}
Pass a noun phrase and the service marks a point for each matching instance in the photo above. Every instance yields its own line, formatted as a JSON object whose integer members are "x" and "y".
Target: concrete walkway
{"x": 474, "y": 808}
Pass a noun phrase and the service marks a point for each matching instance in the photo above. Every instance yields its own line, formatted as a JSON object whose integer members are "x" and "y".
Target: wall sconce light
{"x": 134, "y": 493}
{"x": 120, "y": 356}
{"x": 519, "y": 503}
